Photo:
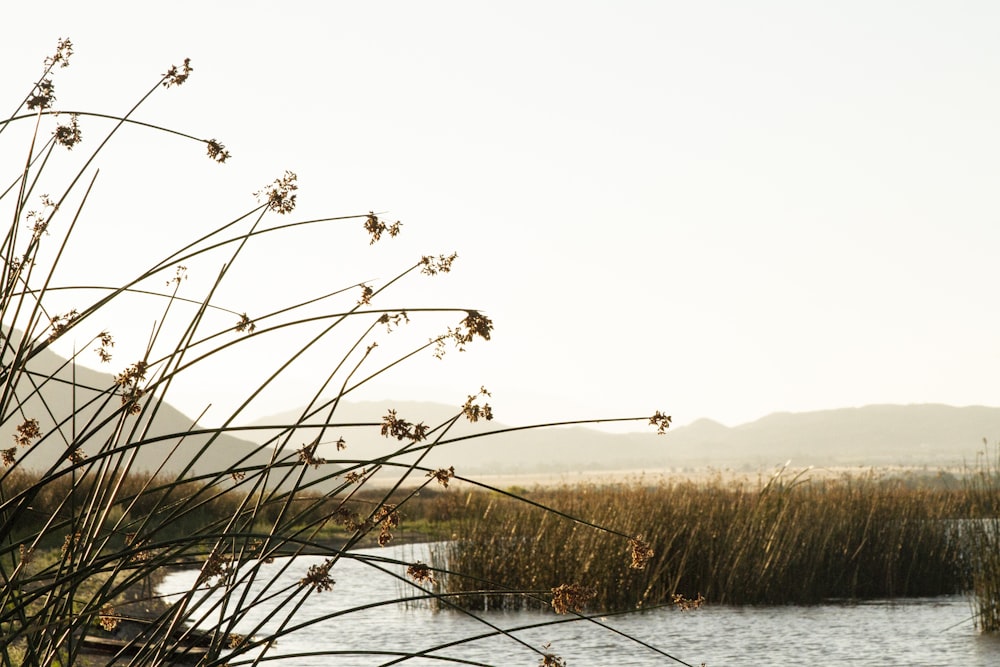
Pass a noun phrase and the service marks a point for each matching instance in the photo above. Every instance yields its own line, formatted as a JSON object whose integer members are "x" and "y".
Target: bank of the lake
{"x": 916, "y": 632}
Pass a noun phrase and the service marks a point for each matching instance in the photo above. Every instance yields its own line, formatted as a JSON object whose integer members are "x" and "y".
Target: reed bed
{"x": 982, "y": 533}
{"x": 780, "y": 541}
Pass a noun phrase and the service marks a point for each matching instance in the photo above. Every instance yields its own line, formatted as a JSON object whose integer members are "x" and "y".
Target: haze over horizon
{"x": 718, "y": 209}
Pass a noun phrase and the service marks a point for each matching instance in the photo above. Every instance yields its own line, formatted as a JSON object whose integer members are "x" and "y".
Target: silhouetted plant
{"x": 84, "y": 527}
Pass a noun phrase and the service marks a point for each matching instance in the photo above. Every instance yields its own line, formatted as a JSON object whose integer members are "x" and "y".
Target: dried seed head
{"x": 279, "y": 194}
{"x": 686, "y": 604}
{"x": 395, "y": 427}
{"x": 376, "y": 228}
{"x": 69, "y": 135}
{"x": 442, "y": 475}
{"x": 42, "y": 96}
{"x": 640, "y": 551}
{"x": 60, "y": 323}
{"x": 571, "y": 597}
{"x": 105, "y": 343}
{"x": 355, "y": 477}
{"x": 307, "y": 455}
{"x": 318, "y": 577}
{"x": 393, "y": 320}
{"x": 550, "y": 659}
{"x": 421, "y": 573}
{"x": 366, "y": 295}
{"x": 245, "y": 324}
{"x": 107, "y": 618}
{"x": 8, "y": 456}
{"x": 217, "y": 151}
{"x": 216, "y": 565}
{"x": 175, "y": 77}
{"x": 64, "y": 49}
{"x": 27, "y": 431}
{"x": 660, "y": 421}
{"x": 474, "y": 412}
{"x": 442, "y": 264}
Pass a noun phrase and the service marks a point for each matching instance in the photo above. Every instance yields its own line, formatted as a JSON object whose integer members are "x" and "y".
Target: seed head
{"x": 376, "y": 228}
{"x": 442, "y": 264}
{"x": 69, "y": 135}
{"x": 661, "y": 422}
{"x": 474, "y": 412}
{"x": 366, "y": 295}
{"x": 279, "y": 194}
{"x": 217, "y": 151}
{"x": 245, "y": 324}
{"x": 27, "y": 431}
{"x": 175, "y": 77}
{"x": 64, "y": 49}
{"x": 442, "y": 475}
{"x": 318, "y": 577}
{"x": 571, "y": 597}
{"x": 107, "y": 618}
{"x": 42, "y": 96}
{"x": 421, "y": 573}
{"x": 640, "y": 551}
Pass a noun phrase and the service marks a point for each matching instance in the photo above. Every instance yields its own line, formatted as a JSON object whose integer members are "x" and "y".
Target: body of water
{"x": 934, "y": 631}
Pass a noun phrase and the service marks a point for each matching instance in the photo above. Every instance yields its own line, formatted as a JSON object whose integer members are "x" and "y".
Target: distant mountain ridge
{"x": 873, "y": 435}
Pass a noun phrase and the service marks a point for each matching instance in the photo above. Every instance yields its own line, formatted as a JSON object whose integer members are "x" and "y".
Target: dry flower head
{"x": 474, "y": 412}
{"x": 393, "y": 320}
{"x": 661, "y": 422}
{"x": 107, "y": 618}
{"x": 441, "y": 264}
{"x": 366, "y": 295}
{"x": 396, "y": 427}
{"x": 550, "y": 659}
{"x": 571, "y": 597}
{"x": 27, "y": 431}
{"x": 376, "y": 228}
{"x": 307, "y": 455}
{"x": 69, "y": 135}
{"x": 175, "y": 76}
{"x": 686, "y": 604}
{"x": 474, "y": 324}
{"x": 217, "y": 151}
{"x": 442, "y": 475}
{"x": 103, "y": 349}
{"x": 318, "y": 577}
{"x": 60, "y": 323}
{"x": 421, "y": 573}
{"x": 640, "y": 551}
{"x": 279, "y": 195}
{"x": 245, "y": 324}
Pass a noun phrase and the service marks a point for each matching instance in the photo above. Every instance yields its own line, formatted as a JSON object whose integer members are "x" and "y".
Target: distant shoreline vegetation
{"x": 786, "y": 539}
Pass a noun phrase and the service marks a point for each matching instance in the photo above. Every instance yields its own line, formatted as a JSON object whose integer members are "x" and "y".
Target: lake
{"x": 929, "y": 631}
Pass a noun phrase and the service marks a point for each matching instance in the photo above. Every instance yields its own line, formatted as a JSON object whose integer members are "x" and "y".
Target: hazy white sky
{"x": 715, "y": 209}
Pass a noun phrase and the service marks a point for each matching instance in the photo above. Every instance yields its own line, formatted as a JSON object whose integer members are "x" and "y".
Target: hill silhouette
{"x": 875, "y": 435}
{"x": 179, "y": 442}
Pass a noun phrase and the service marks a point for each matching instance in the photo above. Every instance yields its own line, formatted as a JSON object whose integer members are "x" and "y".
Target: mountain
{"x": 874, "y": 435}
{"x": 79, "y": 387}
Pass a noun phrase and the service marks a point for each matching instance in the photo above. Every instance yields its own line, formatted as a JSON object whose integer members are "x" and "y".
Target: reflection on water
{"x": 936, "y": 631}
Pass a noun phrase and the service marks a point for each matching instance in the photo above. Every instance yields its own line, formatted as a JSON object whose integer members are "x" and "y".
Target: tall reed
{"x": 783, "y": 540}
{"x": 112, "y": 479}
{"x": 982, "y": 532}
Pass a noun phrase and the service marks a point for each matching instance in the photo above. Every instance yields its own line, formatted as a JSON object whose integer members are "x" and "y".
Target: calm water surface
{"x": 934, "y": 631}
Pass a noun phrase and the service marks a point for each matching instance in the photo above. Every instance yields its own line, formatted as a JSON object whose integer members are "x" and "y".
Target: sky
{"x": 713, "y": 209}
